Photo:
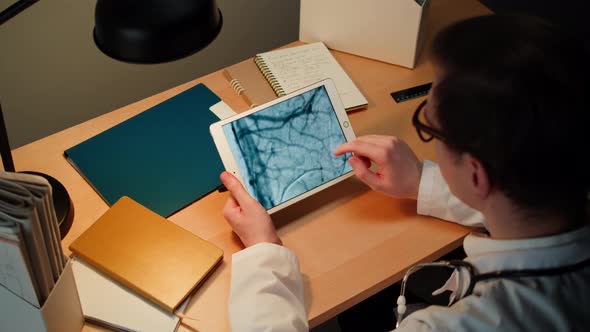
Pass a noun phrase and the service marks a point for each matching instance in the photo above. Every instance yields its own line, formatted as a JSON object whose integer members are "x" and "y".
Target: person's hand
{"x": 398, "y": 170}
{"x": 246, "y": 216}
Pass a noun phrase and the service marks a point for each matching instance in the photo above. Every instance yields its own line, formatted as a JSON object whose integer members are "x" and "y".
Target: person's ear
{"x": 480, "y": 180}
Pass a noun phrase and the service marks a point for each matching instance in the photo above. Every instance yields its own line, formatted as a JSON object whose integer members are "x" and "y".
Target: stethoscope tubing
{"x": 475, "y": 277}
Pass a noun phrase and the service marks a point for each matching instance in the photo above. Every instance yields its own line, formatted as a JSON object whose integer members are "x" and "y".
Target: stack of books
{"x": 135, "y": 270}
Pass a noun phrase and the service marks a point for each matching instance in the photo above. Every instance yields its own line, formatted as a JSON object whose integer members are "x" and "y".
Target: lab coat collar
{"x": 488, "y": 254}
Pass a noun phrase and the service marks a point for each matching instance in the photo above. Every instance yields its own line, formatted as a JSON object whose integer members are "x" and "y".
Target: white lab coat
{"x": 267, "y": 291}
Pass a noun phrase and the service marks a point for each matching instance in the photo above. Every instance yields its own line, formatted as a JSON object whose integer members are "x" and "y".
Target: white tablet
{"x": 282, "y": 151}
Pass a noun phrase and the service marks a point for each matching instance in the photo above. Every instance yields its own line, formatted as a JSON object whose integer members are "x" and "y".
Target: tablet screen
{"x": 286, "y": 149}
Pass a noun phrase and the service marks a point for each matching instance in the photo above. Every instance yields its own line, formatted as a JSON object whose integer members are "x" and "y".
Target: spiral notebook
{"x": 277, "y": 73}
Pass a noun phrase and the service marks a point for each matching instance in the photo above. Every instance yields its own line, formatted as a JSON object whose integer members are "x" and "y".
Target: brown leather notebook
{"x": 247, "y": 80}
{"x": 147, "y": 253}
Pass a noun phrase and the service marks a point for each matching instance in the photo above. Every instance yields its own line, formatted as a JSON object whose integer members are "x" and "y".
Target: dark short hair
{"x": 514, "y": 94}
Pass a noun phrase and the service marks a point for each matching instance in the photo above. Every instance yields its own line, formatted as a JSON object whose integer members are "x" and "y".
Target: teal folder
{"x": 164, "y": 158}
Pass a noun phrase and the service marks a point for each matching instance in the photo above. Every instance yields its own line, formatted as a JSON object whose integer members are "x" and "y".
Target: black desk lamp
{"x": 136, "y": 31}
{"x": 154, "y": 31}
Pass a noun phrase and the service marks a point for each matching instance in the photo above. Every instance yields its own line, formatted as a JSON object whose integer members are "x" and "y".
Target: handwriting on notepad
{"x": 300, "y": 67}
{"x": 291, "y": 69}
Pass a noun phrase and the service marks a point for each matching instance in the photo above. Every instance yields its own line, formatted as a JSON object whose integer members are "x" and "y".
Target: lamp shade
{"x": 155, "y": 31}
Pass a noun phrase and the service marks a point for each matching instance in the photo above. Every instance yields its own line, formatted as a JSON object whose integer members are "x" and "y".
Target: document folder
{"x": 163, "y": 158}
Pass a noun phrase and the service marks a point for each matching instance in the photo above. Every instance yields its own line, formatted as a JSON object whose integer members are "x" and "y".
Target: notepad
{"x": 146, "y": 253}
{"x": 126, "y": 309}
{"x": 280, "y": 72}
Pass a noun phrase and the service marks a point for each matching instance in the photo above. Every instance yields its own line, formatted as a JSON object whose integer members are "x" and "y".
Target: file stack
{"x": 34, "y": 275}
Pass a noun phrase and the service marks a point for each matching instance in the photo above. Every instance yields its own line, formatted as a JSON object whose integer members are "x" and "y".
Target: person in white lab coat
{"x": 508, "y": 116}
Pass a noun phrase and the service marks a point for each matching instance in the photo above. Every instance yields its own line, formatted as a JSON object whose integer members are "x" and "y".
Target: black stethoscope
{"x": 475, "y": 277}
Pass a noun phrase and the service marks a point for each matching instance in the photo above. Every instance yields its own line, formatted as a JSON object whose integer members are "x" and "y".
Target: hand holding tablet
{"x": 246, "y": 216}
{"x": 282, "y": 151}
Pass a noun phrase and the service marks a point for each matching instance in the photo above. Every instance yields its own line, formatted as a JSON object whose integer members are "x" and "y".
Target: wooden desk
{"x": 351, "y": 242}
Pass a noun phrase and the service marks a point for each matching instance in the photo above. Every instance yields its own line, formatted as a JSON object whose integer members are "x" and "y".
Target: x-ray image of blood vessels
{"x": 286, "y": 149}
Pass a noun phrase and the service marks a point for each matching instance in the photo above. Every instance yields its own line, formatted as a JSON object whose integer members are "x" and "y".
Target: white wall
{"x": 52, "y": 76}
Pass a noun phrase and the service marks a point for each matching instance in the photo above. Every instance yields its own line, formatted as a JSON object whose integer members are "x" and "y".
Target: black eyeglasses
{"x": 425, "y": 132}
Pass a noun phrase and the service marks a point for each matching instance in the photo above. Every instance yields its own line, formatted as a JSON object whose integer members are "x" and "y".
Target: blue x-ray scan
{"x": 286, "y": 149}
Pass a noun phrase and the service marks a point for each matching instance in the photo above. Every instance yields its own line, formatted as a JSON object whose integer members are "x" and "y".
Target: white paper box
{"x": 61, "y": 312}
{"x": 386, "y": 30}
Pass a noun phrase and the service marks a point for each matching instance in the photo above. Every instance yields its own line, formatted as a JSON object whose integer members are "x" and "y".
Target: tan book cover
{"x": 248, "y": 82}
{"x": 147, "y": 253}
